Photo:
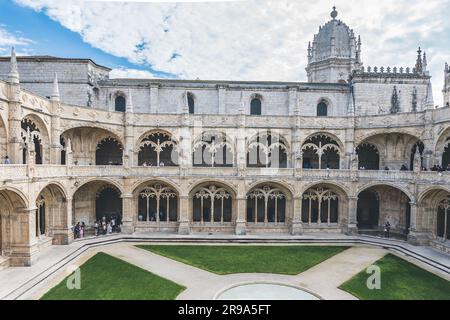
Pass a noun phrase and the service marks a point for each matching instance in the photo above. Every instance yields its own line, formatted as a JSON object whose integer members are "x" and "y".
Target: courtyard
{"x": 169, "y": 270}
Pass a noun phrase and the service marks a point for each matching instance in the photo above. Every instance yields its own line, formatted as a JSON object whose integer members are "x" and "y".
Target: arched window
{"x": 108, "y": 204}
{"x": 321, "y": 152}
{"x": 212, "y": 204}
{"x": 420, "y": 147}
{"x": 322, "y": 109}
{"x": 40, "y": 217}
{"x": 255, "y": 107}
{"x": 368, "y": 210}
{"x": 443, "y": 219}
{"x": 109, "y": 152}
{"x": 320, "y": 206}
{"x": 368, "y": 157}
{"x": 157, "y": 202}
{"x": 31, "y": 134}
{"x": 62, "y": 142}
{"x": 158, "y": 149}
{"x": 446, "y": 155}
{"x": 212, "y": 149}
{"x": 191, "y": 103}
{"x": 120, "y": 103}
{"x": 267, "y": 205}
{"x": 267, "y": 151}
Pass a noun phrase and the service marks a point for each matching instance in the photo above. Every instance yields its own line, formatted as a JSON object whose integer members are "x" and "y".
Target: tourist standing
{"x": 7, "y": 160}
{"x": 96, "y": 228}
{"x": 387, "y": 229}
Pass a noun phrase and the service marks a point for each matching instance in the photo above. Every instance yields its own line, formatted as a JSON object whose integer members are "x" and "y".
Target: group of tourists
{"x": 79, "y": 230}
{"x": 101, "y": 227}
{"x": 106, "y": 226}
{"x": 439, "y": 168}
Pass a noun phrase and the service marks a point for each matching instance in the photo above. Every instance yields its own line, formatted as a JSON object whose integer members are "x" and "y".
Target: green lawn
{"x": 400, "y": 280}
{"x": 104, "y": 277}
{"x": 289, "y": 260}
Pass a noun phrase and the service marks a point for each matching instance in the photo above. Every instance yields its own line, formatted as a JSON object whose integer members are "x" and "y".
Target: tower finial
{"x": 55, "y": 93}
{"x": 419, "y": 62}
{"x": 13, "y": 76}
{"x": 334, "y": 13}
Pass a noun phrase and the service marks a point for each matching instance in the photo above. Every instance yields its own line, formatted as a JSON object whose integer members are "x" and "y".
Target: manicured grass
{"x": 400, "y": 280}
{"x": 104, "y": 277}
{"x": 247, "y": 259}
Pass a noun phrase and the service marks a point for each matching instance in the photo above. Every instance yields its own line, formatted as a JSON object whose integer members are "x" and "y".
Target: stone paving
{"x": 323, "y": 279}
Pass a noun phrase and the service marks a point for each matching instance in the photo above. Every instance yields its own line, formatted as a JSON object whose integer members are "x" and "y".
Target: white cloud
{"x": 130, "y": 73}
{"x": 8, "y": 40}
{"x": 255, "y": 39}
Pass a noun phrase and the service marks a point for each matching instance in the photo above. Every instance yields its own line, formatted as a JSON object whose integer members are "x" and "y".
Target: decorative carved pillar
{"x": 352, "y": 227}
{"x": 128, "y": 213}
{"x": 296, "y": 223}
{"x": 128, "y": 152}
{"x": 63, "y": 234}
{"x": 222, "y": 95}
{"x": 415, "y": 236}
{"x": 293, "y": 101}
{"x": 184, "y": 223}
{"x": 297, "y": 153}
{"x": 241, "y": 217}
{"x": 55, "y": 151}
{"x": 154, "y": 98}
{"x": 15, "y": 142}
{"x": 24, "y": 241}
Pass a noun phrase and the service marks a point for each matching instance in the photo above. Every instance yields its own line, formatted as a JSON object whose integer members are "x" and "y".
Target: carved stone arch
{"x": 213, "y": 148}
{"x": 14, "y": 233}
{"x": 23, "y": 199}
{"x": 157, "y": 148}
{"x": 40, "y": 136}
{"x": 212, "y": 202}
{"x": 269, "y": 203}
{"x": 372, "y": 133}
{"x": 269, "y": 149}
{"x": 51, "y": 213}
{"x": 327, "y": 134}
{"x": 157, "y": 202}
{"x": 287, "y": 189}
{"x": 151, "y": 131}
{"x": 97, "y": 198}
{"x": 393, "y": 185}
{"x": 78, "y": 185}
{"x": 442, "y": 148}
{"x": 322, "y": 151}
{"x": 80, "y": 124}
{"x": 324, "y": 204}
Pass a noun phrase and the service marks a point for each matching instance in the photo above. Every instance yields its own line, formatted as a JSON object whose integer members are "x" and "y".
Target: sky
{"x": 254, "y": 40}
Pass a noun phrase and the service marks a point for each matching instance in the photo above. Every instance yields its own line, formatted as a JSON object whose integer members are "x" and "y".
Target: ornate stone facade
{"x": 204, "y": 156}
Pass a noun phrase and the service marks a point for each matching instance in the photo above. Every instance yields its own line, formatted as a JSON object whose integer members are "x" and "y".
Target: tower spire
{"x": 13, "y": 76}
{"x": 55, "y": 92}
{"x": 419, "y": 63}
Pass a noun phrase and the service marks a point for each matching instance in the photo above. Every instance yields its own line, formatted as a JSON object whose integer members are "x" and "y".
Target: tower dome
{"x": 335, "y": 52}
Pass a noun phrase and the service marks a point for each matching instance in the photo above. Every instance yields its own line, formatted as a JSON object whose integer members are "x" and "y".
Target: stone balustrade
{"x": 20, "y": 172}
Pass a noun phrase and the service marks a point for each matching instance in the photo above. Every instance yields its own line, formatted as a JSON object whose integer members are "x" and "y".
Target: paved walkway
{"x": 323, "y": 279}
{"x": 32, "y": 282}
